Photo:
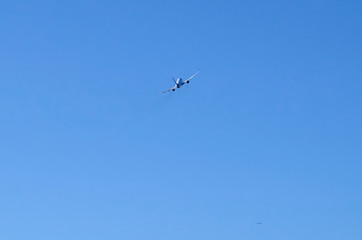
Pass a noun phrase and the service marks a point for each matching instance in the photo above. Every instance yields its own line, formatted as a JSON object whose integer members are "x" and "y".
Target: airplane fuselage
{"x": 179, "y": 83}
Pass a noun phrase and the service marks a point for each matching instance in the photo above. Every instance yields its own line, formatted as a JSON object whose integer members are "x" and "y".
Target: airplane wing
{"x": 188, "y": 80}
{"x": 171, "y": 89}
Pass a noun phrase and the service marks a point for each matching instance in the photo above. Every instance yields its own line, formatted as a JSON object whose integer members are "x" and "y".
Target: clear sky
{"x": 270, "y": 130}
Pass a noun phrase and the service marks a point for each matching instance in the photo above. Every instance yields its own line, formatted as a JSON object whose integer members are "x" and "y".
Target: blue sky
{"x": 269, "y": 131}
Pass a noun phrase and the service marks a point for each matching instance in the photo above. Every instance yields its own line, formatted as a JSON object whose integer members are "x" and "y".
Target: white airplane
{"x": 179, "y": 83}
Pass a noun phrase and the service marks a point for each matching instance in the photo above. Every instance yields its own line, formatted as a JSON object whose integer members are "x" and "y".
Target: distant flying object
{"x": 179, "y": 83}
{"x": 258, "y": 223}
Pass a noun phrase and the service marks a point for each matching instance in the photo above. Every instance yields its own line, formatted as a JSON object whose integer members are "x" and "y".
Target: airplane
{"x": 179, "y": 83}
